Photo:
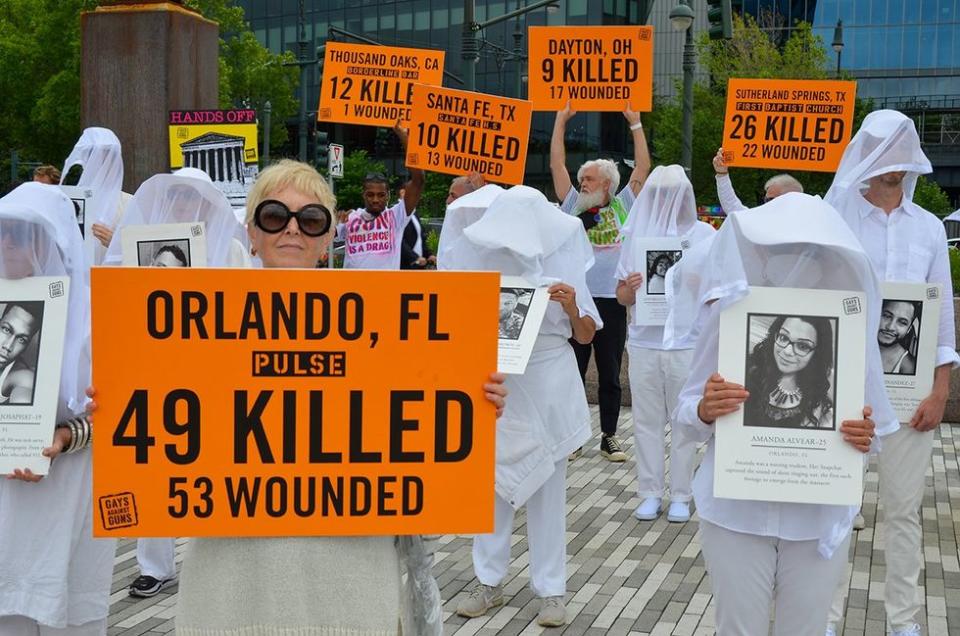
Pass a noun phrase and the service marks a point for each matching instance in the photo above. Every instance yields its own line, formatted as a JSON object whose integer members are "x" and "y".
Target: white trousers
{"x": 750, "y": 572}
{"x": 903, "y": 459}
{"x": 546, "y": 536}
{"x": 656, "y": 378}
{"x": 23, "y": 626}
{"x": 155, "y": 558}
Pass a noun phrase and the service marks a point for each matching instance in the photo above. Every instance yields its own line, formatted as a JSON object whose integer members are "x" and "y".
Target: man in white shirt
{"x": 603, "y": 212}
{"x": 873, "y": 191}
{"x": 373, "y": 234}
{"x": 730, "y": 202}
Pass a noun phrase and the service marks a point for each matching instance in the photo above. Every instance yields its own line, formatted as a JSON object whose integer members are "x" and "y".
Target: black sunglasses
{"x": 273, "y": 216}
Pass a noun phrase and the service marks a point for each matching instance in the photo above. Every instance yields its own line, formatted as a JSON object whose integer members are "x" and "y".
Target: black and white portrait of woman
{"x": 790, "y": 371}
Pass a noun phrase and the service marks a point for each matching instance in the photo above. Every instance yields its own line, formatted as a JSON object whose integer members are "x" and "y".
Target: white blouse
{"x": 828, "y": 524}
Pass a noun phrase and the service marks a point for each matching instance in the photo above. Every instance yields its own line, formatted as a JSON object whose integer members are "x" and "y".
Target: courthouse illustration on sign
{"x": 221, "y": 143}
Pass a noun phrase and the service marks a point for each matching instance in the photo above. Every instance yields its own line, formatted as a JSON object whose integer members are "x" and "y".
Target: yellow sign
{"x": 257, "y": 406}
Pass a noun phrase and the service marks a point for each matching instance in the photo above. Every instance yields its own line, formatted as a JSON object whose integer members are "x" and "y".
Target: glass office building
{"x": 438, "y": 24}
{"x": 904, "y": 54}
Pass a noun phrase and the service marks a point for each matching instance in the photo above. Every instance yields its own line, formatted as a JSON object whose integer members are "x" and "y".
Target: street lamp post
{"x": 681, "y": 16}
{"x": 838, "y": 43}
{"x": 470, "y": 48}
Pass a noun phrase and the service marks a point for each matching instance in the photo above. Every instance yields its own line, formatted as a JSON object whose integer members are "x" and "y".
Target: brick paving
{"x": 640, "y": 577}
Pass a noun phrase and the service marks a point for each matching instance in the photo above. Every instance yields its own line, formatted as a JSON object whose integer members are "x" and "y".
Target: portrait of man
{"x": 899, "y": 335}
{"x": 514, "y": 303}
{"x": 20, "y": 323}
{"x": 166, "y": 253}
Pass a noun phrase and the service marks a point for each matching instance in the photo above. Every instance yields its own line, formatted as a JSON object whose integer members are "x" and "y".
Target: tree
{"x": 250, "y": 75}
{"x": 40, "y": 83}
{"x": 930, "y": 196}
{"x": 750, "y": 54}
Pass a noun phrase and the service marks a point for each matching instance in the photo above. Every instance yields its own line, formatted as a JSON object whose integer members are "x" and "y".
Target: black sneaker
{"x": 610, "y": 449}
{"x": 147, "y": 586}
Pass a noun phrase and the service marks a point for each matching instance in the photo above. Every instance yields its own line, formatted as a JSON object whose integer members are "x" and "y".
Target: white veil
{"x": 520, "y": 234}
{"x": 796, "y": 240}
{"x": 39, "y": 220}
{"x": 666, "y": 205}
{"x": 886, "y": 142}
{"x": 186, "y": 196}
{"x": 460, "y": 215}
{"x": 98, "y": 153}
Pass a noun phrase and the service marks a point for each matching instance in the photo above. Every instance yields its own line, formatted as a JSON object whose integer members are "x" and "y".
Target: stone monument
{"x": 140, "y": 60}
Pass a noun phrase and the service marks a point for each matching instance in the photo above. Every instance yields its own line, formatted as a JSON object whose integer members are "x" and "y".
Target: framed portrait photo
{"x": 522, "y": 307}
{"x": 907, "y": 337}
{"x": 165, "y": 245}
{"x": 658, "y": 256}
{"x": 800, "y": 355}
{"x": 84, "y": 200}
{"x": 33, "y": 318}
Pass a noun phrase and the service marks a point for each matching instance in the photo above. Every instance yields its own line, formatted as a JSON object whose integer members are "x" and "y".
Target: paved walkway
{"x": 640, "y": 577}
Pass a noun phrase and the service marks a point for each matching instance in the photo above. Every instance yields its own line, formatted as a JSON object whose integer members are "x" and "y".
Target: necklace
{"x": 781, "y": 397}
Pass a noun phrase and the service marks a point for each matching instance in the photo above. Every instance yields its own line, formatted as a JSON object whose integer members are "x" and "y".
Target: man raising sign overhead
{"x": 603, "y": 211}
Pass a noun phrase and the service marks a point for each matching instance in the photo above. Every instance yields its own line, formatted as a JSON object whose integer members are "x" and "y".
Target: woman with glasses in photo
{"x": 788, "y": 375}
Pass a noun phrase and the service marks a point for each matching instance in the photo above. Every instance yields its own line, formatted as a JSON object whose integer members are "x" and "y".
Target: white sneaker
{"x": 859, "y": 523}
{"x": 481, "y": 598}
{"x": 679, "y": 512}
{"x": 648, "y": 510}
{"x": 913, "y": 630}
{"x": 831, "y": 631}
{"x": 552, "y": 612}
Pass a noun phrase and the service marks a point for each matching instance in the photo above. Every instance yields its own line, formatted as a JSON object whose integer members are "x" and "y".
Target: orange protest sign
{"x": 245, "y": 403}
{"x": 371, "y": 85}
{"x": 457, "y": 132}
{"x": 788, "y": 124}
{"x": 596, "y": 68}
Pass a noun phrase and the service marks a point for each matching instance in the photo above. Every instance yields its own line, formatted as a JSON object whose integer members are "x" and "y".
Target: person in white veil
{"x": 520, "y": 233}
{"x": 873, "y": 191}
{"x": 186, "y": 196}
{"x": 54, "y": 576}
{"x": 97, "y": 152}
{"x": 665, "y": 206}
{"x": 760, "y": 553}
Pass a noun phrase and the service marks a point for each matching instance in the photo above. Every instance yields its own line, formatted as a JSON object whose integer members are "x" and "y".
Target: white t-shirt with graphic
{"x": 374, "y": 243}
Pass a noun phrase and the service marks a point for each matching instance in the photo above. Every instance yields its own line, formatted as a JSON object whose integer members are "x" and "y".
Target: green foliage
{"x": 955, "y": 269}
{"x": 40, "y": 82}
{"x": 433, "y": 200}
{"x": 433, "y": 241}
{"x": 930, "y": 196}
{"x": 356, "y": 165}
{"x": 251, "y": 75}
{"x": 750, "y": 54}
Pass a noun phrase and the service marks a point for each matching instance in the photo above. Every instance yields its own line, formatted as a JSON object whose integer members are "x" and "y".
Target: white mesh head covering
{"x": 98, "y": 153}
{"x": 461, "y": 214}
{"x": 795, "y": 240}
{"x": 40, "y": 237}
{"x": 886, "y": 142}
{"x": 186, "y": 196}
{"x": 666, "y": 205}
{"x": 522, "y": 234}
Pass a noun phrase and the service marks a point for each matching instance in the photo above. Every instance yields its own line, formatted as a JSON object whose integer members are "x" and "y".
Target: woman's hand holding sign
{"x": 720, "y": 398}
